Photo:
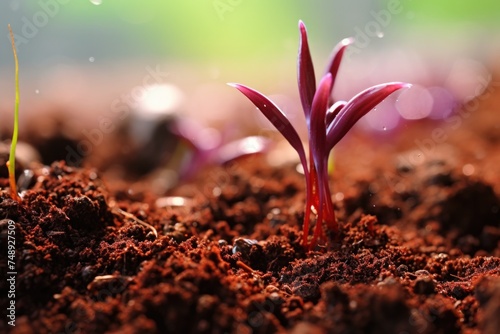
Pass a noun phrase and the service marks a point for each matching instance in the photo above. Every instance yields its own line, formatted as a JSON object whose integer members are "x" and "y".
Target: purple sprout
{"x": 327, "y": 123}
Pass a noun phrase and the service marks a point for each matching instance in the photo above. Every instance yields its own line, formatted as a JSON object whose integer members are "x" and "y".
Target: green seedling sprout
{"x": 11, "y": 164}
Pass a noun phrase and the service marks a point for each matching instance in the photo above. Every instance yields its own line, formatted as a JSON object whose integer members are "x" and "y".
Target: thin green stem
{"x": 12, "y": 156}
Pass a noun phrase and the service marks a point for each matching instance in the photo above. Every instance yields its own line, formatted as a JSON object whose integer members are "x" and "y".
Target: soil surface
{"x": 418, "y": 249}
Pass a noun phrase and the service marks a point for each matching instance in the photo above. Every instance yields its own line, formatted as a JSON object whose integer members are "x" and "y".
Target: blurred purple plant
{"x": 327, "y": 123}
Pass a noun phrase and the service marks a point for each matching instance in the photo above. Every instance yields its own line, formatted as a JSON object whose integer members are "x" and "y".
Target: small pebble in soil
{"x": 275, "y": 211}
{"x": 339, "y": 197}
{"x": 275, "y": 218}
{"x": 441, "y": 257}
{"x": 402, "y": 269}
{"x": 388, "y": 281}
{"x": 26, "y": 180}
{"x": 308, "y": 291}
{"x": 243, "y": 245}
{"x": 271, "y": 289}
{"x": 216, "y": 191}
{"x": 458, "y": 292}
{"x": 468, "y": 169}
{"x": 275, "y": 298}
{"x": 88, "y": 272}
{"x": 404, "y": 167}
{"x": 424, "y": 285}
{"x": 422, "y": 273}
{"x": 178, "y": 231}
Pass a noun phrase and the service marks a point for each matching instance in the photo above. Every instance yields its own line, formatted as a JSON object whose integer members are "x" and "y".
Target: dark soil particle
{"x": 418, "y": 250}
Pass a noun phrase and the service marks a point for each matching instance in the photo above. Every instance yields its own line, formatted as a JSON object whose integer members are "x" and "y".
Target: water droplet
{"x": 91, "y": 59}
{"x": 96, "y": 2}
{"x": 384, "y": 128}
{"x": 380, "y": 34}
{"x": 37, "y": 91}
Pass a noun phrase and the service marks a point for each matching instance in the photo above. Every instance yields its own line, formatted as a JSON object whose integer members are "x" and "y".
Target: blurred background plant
{"x": 90, "y": 61}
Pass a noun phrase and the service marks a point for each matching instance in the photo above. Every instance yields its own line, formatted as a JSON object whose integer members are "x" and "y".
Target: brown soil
{"x": 418, "y": 250}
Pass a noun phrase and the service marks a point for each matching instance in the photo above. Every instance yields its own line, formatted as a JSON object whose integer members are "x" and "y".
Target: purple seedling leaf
{"x": 240, "y": 148}
{"x": 356, "y": 108}
{"x": 317, "y": 130}
{"x": 275, "y": 116}
{"x": 336, "y": 58}
{"x": 317, "y": 137}
{"x": 283, "y": 125}
{"x": 305, "y": 73}
{"x": 307, "y": 88}
{"x": 333, "y": 111}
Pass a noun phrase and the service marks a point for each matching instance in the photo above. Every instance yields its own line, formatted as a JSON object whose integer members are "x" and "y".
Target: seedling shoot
{"x": 11, "y": 164}
{"x": 327, "y": 123}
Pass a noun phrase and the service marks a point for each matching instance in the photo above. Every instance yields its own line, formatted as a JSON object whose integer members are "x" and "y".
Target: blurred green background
{"x": 228, "y": 32}
{"x": 200, "y": 41}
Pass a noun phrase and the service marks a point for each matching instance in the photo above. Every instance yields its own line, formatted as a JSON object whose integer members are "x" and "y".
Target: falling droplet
{"x": 384, "y": 128}
{"x": 91, "y": 59}
{"x": 96, "y": 2}
{"x": 37, "y": 91}
{"x": 380, "y": 34}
